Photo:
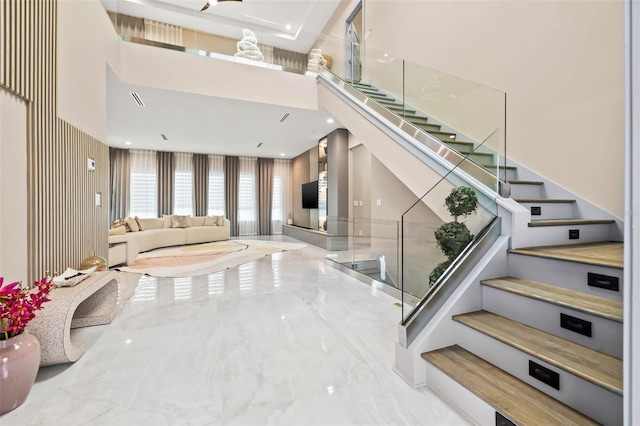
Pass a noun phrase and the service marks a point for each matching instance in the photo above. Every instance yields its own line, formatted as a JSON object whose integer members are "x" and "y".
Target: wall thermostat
{"x": 91, "y": 164}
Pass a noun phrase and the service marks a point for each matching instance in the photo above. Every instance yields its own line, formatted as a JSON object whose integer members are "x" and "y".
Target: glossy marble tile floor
{"x": 283, "y": 340}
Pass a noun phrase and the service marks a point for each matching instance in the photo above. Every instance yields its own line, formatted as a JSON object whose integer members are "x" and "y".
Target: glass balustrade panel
{"x": 438, "y": 226}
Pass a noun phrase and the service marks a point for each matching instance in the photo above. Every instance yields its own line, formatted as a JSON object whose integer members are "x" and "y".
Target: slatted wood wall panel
{"x": 64, "y": 225}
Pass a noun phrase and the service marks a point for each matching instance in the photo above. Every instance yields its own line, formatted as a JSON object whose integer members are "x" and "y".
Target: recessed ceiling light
{"x": 127, "y": 143}
{"x": 288, "y": 26}
{"x": 330, "y": 120}
{"x": 452, "y": 136}
{"x": 282, "y": 154}
{"x": 386, "y": 55}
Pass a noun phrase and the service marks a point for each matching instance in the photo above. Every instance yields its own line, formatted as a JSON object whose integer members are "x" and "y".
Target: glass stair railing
{"x": 465, "y": 116}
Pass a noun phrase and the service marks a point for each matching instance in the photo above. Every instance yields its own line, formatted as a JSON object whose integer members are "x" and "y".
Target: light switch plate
{"x": 379, "y": 202}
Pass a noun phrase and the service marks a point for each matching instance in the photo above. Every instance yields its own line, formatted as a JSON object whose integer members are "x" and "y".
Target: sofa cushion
{"x": 153, "y": 223}
{"x": 197, "y": 220}
{"x": 167, "y": 220}
{"x": 118, "y": 230}
{"x": 133, "y": 225}
{"x": 210, "y": 221}
{"x": 140, "y": 223}
{"x": 121, "y": 222}
{"x": 180, "y": 221}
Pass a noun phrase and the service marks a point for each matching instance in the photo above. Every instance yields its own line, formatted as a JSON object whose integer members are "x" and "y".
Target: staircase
{"x": 427, "y": 124}
{"x": 546, "y": 345}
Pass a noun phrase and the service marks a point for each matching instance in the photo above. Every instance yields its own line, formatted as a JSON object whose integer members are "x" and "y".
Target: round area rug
{"x": 200, "y": 259}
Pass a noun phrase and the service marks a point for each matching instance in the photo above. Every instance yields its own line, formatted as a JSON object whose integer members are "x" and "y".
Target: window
{"x": 183, "y": 184}
{"x": 143, "y": 190}
{"x": 247, "y": 197}
{"x": 215, "y": 202}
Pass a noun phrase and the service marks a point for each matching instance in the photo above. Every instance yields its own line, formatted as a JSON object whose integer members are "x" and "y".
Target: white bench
{"x": 91, "y": 302}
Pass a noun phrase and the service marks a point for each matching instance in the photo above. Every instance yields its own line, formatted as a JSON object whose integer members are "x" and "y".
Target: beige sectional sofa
{"x": 157, "y": 233}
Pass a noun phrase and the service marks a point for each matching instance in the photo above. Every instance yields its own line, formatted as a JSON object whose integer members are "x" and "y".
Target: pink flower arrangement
{"x": 18, "y": 305}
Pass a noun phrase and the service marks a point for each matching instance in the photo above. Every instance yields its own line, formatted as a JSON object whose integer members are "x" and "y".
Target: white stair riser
{"x": 511, "y": 174}
{"x": 460, "y": 397}
{"x": 553, "y": 210}
{"x": 526, "y": 191}
{"x": 571, "y": 275}
{"x": 593, "y": 401}
{"x": 557, "y": 235}
{"x": 606, "y": 334}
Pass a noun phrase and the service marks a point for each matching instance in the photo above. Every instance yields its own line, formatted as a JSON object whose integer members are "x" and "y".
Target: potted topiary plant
{"x": 453, "y": 237}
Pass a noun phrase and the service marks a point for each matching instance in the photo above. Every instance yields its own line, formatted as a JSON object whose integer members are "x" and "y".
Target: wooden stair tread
{"x": 525, "y": 182}
{"x": 609, "y": 254}
{"x": 583, "y": 302}
{"x": 544, "y": 200}
{"x": 595, "y": 367}
{"x": 564, "y": 222}
{"x": 521, "y": 403}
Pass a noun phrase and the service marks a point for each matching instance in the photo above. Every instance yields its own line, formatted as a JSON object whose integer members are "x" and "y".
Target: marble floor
{"x": 283, "y": 340}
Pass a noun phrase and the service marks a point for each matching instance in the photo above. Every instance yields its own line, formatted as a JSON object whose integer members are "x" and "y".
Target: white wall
{"x": 13, "y": 187}
{"x": 86, "y": 43}
{"x": 172, "y": 70}
{"x": 560, "y": 63}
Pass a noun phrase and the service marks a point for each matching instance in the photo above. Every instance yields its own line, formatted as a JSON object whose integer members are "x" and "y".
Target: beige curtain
{"x": 165, "y": 182}
{"x": 128, "y": 25}
{"x": 231, "y": 176}
{"x": 282, "y": 194}
{"x": 200, "y": 183}
{"x": 289, "y": 59}
{"x": 267, "y": 53}
{"x": 265, "y": 195}
{"x": 164, "y": 33}
{"x": 118, "y": 183}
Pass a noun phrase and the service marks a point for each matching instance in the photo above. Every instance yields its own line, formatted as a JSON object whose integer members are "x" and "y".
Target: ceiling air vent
{"x": 284, "y": 117}
{"x": 259, "y": 145}
{"x": 136, "y": 98}
{"x": 164, "y": 136}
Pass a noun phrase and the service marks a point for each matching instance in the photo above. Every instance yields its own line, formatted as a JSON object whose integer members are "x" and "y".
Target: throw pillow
{"x": 210, "y": 221}
{"x": 133, "y": 225}
{"x": 118, "y": 230}
{"x": 180, "y": 222}
{"x": 220, "y": 220}
{"x": 121, "y": 222}
{"x": 140, "y": 223}
{"x": 168, "y": 218}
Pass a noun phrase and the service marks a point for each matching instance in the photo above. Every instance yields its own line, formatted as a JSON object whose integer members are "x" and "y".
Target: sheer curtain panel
{"x": 215, "y": 198}
{"x": 282, "y": 195}
{"x": 247, "y": 197}
{"x": 164, "y": 33}
{"x": 143, "y": 189}
{"x": 118, "y": 183}
{"x": 183, "y": 184}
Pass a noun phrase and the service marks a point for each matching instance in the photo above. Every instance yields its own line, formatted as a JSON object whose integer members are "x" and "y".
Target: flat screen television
{"x": 310, "y": 195}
